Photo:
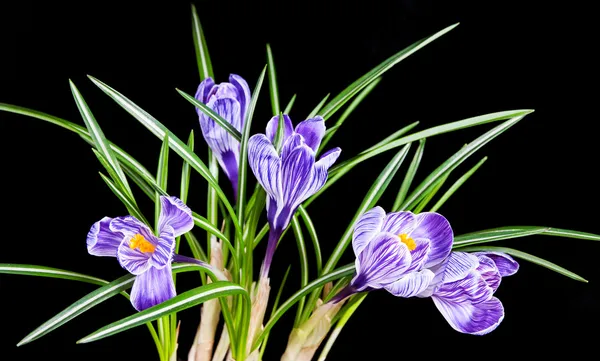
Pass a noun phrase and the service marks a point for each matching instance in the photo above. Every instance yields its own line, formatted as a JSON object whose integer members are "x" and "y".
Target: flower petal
{"x": 328, "y": 158}
{"x": 165, "y": 247}
{"x": 419, "y": 254}
{"x": 128, "y": 225}
{"x": 101, "y": 241}
{"x": 366, "y": 227}
{"x": 411, "y": 284}
{"x": 472, "y": 289}
{"x": 265, "y": 164}
{"x": 473, "y": 319}
{"x": 383, "y": 261}
{"x": 291, "y": 143}
{"x": 176, "y": 214}
{"x": 489, "y": 272}
{"x": 288, "y": 128}
{"x": 312, "y": 130}
{"x": 243, "y": 94}
{"x": 152, "y": 287}
{"x": 507, "y": 266}
{"x": 301, "y": 177}
{"x": 399, "y": 222}
{"x": 203, "y": 90}
{"x": 217, "y": 138}
{"x": 132, "y": 259}
{"x": 436, "y": 228}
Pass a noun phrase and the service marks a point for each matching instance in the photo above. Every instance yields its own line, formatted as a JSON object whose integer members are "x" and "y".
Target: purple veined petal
{"x": 243, "y": 91}
{"x": 300, "y": 177}
{"x": 217, "y": 138}
{"x": 328, "y": 158}
{"x": 176, "y": 214}
{"x": 152, "y": 287}
{"x": 312, "y": 130}
{"x": 383, "y": 261}
{"x": 456, "y": 267}
{"x": 399, "y": 222}
{"x": 288, "y": 128}
{"x": 411, "y": 284}
{"x": 473, "y": 319}
{"x": 290, "y": 144}
{"x": 489, "y": 272}
{"x": 101, "y": 241}
{"x": 133, "y": 259}
{"x": 436, "y": 228}
{"x": 265, "y": 164}
{"x": 418, "y": 254}
{"x": 128, "y": 225}
{"x": 366, "y": 227}
{"x": 507, "y": 266}
{"x": 223, "y": 91}
{"x": 203, "y": 89}
{"x": 165, "y": 247}
{"x": 473, "y": 289}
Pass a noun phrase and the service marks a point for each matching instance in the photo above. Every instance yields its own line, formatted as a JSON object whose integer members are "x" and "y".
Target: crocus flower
{"x": 394, "y": 251}
{"x": 463, "y": 290}
{"x": 230, "y": 101}
{"x": 291, "y": 177}
{"x": 142, "y": 253}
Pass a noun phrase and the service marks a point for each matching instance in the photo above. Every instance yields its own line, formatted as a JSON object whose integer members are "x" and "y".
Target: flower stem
{"x": 274, "y": 235}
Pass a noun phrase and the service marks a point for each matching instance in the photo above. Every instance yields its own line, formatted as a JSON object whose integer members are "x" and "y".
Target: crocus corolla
{"x": 229, "y": 100}
{"x": 289, "y": 177}
{"x": 142, "y": 253}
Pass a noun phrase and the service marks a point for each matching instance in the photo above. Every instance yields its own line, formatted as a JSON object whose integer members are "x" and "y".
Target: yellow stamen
{"x": 409, "y": 242}
{"x": 138, "y": 241}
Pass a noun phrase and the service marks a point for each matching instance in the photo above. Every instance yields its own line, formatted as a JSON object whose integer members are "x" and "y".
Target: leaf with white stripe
{"x": 202, "y": 56}
{"x": 178, "y": 303}
{"x": 509, "y": 232}
{"x": 43, "y": 271}
{"x": 273, "y": 82}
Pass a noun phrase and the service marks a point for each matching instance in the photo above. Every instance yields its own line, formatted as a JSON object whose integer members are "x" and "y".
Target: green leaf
{"x": 99, "y": 139}
{"x": 273, "y": 82}
{"x": 288, "y": 108}
{"x": 159, "y": 130}
{"x": 331, "y": 276}
{"x": 206, "y": 225}
{"x": 410, "y": 175}
{"x": 202, "y": 56}
{"x": 337, "y": 102}
{"x": 43, "y": 271}
{"x": 528, "y": 257}
{"x": 440, "y": 129}
{"x": 316, "y": 109}
{"x": 124, "y": 198}
{"x": 457, "y": 185}
{"x": 195, "y": 247}
{"x": 178, "y": 303}
{"x": 359, "y": 98}
{"x": 185, "y": 172}
{"x": 303, "y": 265}
{"x": 263, "y": 346}
{"x": 313, "y": 237}
{"x": 509, "y": 232}
{"x": 430, "y": 194}
{"x": 162, "y": 174}
{"x": 456, "y": 160}
{"x": 222, "y": 122}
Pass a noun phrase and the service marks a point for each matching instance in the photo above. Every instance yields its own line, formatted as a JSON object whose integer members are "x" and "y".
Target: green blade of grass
{"x": 312, "y": 232}
{"x": 409, "y": 176}
{"x": 162, "y": 174}
{"x": 263, "y": 346}
{"x": 313, "y": 113}
{"x": 288, "y": 107}
{"x": 124, "y": 198}
{"x": 510, "y": 232}
{"x": 303, "y": 265}
{"x": 273, "y": 82}
{"x": 202, "y": 55}
{"x": 456, "y": 185}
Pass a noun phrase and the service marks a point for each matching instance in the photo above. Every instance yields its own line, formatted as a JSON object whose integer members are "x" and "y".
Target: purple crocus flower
{"x": 230, "y": 101}
{"x": 463, "y": 290}
{"x": 394, "y": 251}
{"x": 142, "y": 253}
{"x": 291, "y": 177}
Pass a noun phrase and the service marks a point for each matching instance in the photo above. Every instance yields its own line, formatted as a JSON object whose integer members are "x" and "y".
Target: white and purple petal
{"x": 101, "y": 241}
{"x": 436, "y": 228}
{"x": 203, "y": 90}
{"x": 299, "y": 176}
{"x": 328, "y": 158}
{"x": 412, "y": 284}
{"x": 243, "y": 94}
{"x": 419, "y": 254}
{"x": 366, "y": 227}
{"x": 152, "y": 287}
{"x": 472, "y": 288}
{"x": 489, "y": 272}
{"x": 273, "y": 124}
{"x": 399, "y": 222}
{"x": 475, "y": 319}
{"x": 128, "y": 225}
{"x": 176, "y": 214}
{"x": 164, "y": 248}
{"x": 265, "y": 164}
{"x": 312, "y": 130}
{"x": 132, "y": 259}
{"x": 507, "y": 266}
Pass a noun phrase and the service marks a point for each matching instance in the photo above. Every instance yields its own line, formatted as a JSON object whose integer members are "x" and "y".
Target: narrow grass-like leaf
{"x": 337, "y": 102}
{"x": 213, "y": 115}
{"x": 316, "y": 109}
{"x": 344, "y": 316}
{"x": 440, "y": 129}
{"x": 273, "y": 82}
{"x": 195, "y": 247}
{"x": 99, "y": 139}
{"x": 263, "y": 346}
{"x": 139, "y": 181}
{"x": 124, "y": 198}
{"x": 159, "y": 130}
{"x": 457, "y": 185}
{"x": 429, "y": 196}
{"x": 288, "y": 107}
{"x": 212, "y": 200}
{"x": 162, "y": 173}
{"x": 206, "y": 225}
{"x": 317, "y": 283}
{"x": 509, "y": 232}
{"x": 202, "y": 55}
{"x": 359, "y": 98}
{"x": 178, "y": 303}
{"x": 43, "y": 271}
{"x": 527, "y": 257}
{"x": 410, "y": 175}
{"x": 303, "y": 265}
{"x": 313, "y": 237}
{"x": 457, "y": 159}
{"x": 184, "y": 185}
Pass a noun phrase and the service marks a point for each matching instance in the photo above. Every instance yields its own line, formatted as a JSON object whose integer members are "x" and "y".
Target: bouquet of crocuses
{"x": 408, "y": 251}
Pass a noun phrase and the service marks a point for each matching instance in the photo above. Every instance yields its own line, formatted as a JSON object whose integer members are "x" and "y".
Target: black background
{"x": 504, "y": 55}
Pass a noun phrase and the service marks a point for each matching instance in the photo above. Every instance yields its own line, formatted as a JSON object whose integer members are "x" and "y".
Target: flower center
{"x": 138, "y": 241}
{"x": 409, "y": 242}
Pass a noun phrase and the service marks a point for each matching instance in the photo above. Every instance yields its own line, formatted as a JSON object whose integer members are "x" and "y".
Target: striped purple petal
{"x": 489, "y": 272}
{"x": 265, "y": 164}
{"x": 243, "y": 94}
{"x": 419, "y": 254}
{"x": 399, "y": 222}
{"x": 366, "y": 227}
{"x": 298, "y": 177}
{"x": 329, "y": 157}
{"x": 312, "y": 130}
{"x": 412, "y": 284}
{"x": 507, "y": 266}
{"x": 475, "y": 319}
{"x": 176, "y": 214}
{"x": 132, "y": 258}
{"x": 436, "y": 228}
{"x": 152, "y": 287}
{"x": 128, "y": 225}
{"x": 101, "y": 241}
{"x": 471, "y": 289}
{"x": 165, "y": 247}
{"x": 203, "y": 90}
{"x": 271, "y": 131}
